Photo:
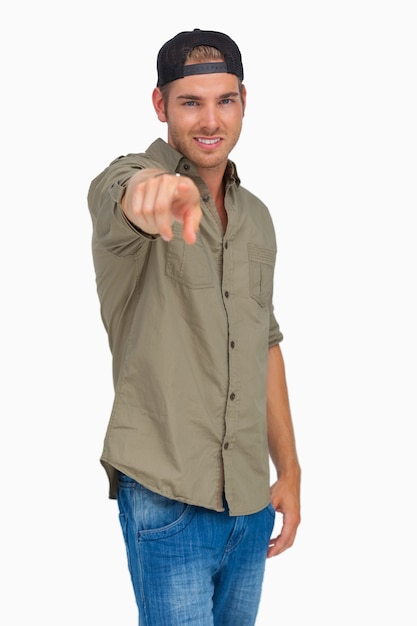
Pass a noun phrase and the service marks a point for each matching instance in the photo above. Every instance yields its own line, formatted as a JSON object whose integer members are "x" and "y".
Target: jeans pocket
{"x": 158, "y": 516}
{"x": 173, "y": 528}
{"x": 271, "y": 510}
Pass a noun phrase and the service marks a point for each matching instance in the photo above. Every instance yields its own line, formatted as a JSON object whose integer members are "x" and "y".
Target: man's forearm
{"x": 281, "y": 437}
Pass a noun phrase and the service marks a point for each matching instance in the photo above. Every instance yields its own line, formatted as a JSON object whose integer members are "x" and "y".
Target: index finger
{"x": 186, "y": 209}
{"x": 191, "y": 222}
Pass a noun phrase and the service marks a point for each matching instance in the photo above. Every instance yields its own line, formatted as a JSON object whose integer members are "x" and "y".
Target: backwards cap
{"x": 172, "y": 55}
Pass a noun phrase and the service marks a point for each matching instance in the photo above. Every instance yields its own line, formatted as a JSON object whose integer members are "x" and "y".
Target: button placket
{"x": 231, "y": 416}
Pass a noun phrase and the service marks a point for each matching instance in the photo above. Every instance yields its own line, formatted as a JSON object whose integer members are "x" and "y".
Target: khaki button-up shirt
{"x": 189, "y": 329}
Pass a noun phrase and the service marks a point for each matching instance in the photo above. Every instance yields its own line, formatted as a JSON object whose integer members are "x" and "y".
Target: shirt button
{"x": 232, "y": 396}
{"x": 232, "y": 344}
{"x": 226, "y": 245}
{"x": 206, "y": 197}
{"x": 226, "y": 293}
{"x": 186, "y": 166}
{"x": 226, "y": 446}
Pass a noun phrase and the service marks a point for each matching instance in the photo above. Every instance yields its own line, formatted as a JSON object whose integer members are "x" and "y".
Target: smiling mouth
{"x": 208, "y": 142}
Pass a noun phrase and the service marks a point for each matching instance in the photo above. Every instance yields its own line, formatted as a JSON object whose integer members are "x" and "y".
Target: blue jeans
{"x": 190, "y": 565}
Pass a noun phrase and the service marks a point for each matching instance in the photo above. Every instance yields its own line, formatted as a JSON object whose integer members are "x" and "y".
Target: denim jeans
{"x": 190, "y": 565}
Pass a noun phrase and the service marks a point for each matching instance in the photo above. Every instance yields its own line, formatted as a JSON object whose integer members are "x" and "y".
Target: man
{"x": 184, "y": 259}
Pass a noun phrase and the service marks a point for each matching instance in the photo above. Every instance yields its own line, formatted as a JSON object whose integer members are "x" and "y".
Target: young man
{"x": 184, "y": 259}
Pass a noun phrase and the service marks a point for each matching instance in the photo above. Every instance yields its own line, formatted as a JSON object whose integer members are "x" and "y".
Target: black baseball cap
{"x": 171, "y": 57}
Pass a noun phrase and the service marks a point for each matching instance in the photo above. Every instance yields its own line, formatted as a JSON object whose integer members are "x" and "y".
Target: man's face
{"x": 204, "y": 116}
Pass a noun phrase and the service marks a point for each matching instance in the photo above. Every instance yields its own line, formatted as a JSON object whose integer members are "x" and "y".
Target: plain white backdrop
{"x": 329, "y": 143}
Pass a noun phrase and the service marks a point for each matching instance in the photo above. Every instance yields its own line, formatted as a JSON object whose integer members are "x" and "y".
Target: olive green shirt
{"x": 189, "y": 328}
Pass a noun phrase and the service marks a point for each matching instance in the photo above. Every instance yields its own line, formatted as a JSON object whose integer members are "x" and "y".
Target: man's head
{"x": 200, "y": 95}
{"x": 173, "y": 60}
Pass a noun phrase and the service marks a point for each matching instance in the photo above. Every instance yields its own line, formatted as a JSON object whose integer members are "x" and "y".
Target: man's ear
{"x": 244, "y": 98}
{"x": 158, "y": 103}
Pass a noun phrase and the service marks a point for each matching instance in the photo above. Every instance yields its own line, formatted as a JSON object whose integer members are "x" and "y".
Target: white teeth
{"x": 208, "y": 141}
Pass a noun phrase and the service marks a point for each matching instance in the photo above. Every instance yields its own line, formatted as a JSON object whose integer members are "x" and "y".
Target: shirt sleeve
{"x": 275, "y": 334}
{"x": 112, "y": 229}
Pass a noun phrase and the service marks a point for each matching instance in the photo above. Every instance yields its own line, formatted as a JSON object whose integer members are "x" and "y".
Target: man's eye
{"x": 226, "y": 101}
{"x": 190, "y": 103}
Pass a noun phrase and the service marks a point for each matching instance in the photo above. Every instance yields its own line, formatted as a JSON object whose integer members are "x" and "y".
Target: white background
{"x": 329, "y": 143}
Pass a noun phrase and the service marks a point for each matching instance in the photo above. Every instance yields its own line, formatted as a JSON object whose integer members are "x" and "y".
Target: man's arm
{"x": 285, "y": 492}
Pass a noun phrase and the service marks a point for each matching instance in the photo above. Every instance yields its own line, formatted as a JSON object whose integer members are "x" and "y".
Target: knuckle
{"x": 147, "y": 210}
{"x": 159, "y": 208}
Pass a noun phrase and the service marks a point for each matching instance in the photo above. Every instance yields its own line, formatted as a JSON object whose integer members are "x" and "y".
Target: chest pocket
{"x": 188, "y": 264}
{"x": 261, "y": 273}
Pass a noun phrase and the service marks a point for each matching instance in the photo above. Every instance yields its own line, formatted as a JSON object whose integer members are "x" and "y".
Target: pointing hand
{"x": 154, "y": 200}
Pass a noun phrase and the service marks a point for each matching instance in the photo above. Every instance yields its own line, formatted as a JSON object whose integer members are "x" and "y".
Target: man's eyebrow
{"x": 188, "y": 96}
{"x": 229, "y": 94}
